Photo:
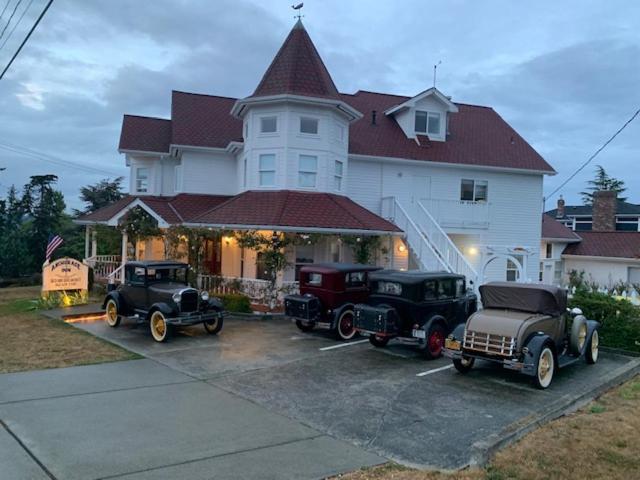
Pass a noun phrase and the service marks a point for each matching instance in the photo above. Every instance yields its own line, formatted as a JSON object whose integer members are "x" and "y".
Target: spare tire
{"x": 579, "y": 331}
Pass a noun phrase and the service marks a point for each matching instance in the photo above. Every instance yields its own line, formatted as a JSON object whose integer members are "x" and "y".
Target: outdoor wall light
{"x": 472, "y": 250}
{"x": 227, "y": 240}
{"x": 402, "y": 248}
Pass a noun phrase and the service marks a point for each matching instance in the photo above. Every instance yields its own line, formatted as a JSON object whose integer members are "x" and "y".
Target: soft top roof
{"x": 338, "y": 267}
{"x": 411, "y": 277}
{"x": 157, "y": 264}
{"x": 525, "y": 297}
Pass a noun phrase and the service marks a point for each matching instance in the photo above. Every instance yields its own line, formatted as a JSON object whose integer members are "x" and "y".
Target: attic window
{"x": 427, "y": 122}
{"x": 309, "y": 125}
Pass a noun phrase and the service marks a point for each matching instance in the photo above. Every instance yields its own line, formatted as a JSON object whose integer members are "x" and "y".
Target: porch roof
{"x": 282, "y": 210}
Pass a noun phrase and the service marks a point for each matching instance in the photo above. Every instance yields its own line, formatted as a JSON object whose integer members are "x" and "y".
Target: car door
{"x": 135, "y": 289}
{"x": 461, "y": 302}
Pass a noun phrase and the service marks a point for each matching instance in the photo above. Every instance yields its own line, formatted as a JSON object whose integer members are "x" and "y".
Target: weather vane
{"x": 435, "y": 69}
{"x": 298, "y": 9}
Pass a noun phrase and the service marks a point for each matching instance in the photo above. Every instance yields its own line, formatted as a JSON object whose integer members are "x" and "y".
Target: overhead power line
{"x": 6, "y": 5}
{"x": 15, "y": 25}
{"x": 27, "y": 152}
{"x": 15, "y": 9}
{"x": 595, "y": 154}
{"x": 15, "y": 55}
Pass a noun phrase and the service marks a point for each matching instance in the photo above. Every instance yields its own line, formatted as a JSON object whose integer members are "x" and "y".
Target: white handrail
{"x": 443, "y": 244}
{"x": 111, "y": 278}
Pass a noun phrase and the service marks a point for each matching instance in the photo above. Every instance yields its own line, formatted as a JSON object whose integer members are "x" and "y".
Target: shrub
{"x": 620, "y": 319}
{"x": 235, "y": 302}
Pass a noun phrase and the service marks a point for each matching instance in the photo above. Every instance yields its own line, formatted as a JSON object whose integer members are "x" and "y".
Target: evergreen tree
{"x": 14, "y": 253}
{"x": 101, "y": 194}
{"x": 602, "y": 181}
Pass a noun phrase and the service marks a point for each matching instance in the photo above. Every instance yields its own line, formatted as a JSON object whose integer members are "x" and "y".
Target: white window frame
{"x": 338, "y": 177}
{"x": 244, "y": 172}
{"x": 307, "y": 172}
{"x": 313, "y": 119}
{"x": 340, "y": 133}
{"x": 474, "y": 194}
{"x": 268, "y": 117}
{"x": 138, "y": 180}
{"x": 427, "y": 123}
{"x": 262, "y": 170}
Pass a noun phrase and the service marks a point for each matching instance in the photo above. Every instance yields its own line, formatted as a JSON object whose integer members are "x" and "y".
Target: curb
{"x": 483, "y": 450}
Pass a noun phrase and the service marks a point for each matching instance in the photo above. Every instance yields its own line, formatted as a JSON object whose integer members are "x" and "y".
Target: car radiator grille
{"x": 189, "y": 302}
{"x": 488, "y": 343}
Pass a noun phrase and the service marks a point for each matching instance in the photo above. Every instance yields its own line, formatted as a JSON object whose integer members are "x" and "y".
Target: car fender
{"x": 458, "y": 331}
{"x": 121, "y": 304}
{"x": 435, "y": 319}
{"x": 534, "y": 344}
{"x": 338, "y": 312}
{"x": 215, "y": 304}
{"x": 591, "y": 326}
{"x": 163, "y": 307}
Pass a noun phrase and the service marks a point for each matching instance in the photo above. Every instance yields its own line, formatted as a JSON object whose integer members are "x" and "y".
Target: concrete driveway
{"x": 263, "y": 400}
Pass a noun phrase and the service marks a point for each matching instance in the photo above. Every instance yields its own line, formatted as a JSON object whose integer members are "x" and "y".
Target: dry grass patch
{"x": 30, "y": 341}
{"x": 600, "y": 441}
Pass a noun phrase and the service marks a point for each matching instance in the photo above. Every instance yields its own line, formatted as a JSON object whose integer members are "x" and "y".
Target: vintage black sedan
{"x": 417, "y": 307}
{"x": 158, "y": 292}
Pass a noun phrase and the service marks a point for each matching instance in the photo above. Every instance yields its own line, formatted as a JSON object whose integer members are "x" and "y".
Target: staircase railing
{"x": 424, "y": 252}
{"x": 443, "y": 245}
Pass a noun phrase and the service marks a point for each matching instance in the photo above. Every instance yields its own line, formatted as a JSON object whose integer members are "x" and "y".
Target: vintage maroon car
{"x": 328, "y": 293}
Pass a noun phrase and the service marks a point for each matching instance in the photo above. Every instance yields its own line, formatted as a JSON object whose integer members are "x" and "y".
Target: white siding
{"x": 605, "y": 272}
{"x": 209, "y": 172}
{"x": 406, "y": 118}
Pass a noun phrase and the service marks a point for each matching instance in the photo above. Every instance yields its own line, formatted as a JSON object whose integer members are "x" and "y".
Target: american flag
{"x": 54, "y": 242}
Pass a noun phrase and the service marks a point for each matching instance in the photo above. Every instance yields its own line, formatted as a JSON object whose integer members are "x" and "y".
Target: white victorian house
{"x": 447, "y": 186}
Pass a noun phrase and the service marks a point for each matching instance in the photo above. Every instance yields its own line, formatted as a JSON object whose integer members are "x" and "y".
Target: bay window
{"x": 267, "y": 170}
{"x": 307, "y": 171}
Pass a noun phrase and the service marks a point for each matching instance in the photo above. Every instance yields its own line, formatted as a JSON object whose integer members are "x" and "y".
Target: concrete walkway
{"x": 142, "y": 420}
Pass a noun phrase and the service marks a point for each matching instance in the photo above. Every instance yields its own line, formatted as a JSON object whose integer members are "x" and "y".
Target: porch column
{"x": 87, "y": 235}
{"x": 125, "y": 241}
{"x": 94, "y": 242}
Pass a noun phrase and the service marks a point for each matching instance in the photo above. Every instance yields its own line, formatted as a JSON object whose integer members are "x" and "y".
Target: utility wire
{"x": 26, "y": 39}
{"x": 16, "y": 25}
{"x": 15, "y": 9}
{"x": 6, "y": 5}
{"x": 55, "y": 160}
{"x": 633, "y": 117}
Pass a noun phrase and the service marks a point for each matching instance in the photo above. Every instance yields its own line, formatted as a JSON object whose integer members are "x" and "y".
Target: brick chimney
{"x": 604, "y": 211}
{"x": 560, "y": 210}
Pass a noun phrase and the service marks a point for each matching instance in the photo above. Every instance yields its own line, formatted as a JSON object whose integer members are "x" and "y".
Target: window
{"x": 427, "y": 122}
{"x": 262, "y": 271}
{"x": 337, "y": 176}
{"x": 142, "y": 180}
{"x": 549, "y": 250}
{"x": 583, "y": 224}
{"x": 473, "y": 190}
{"x": 304, "y": 256}
{"x": 244, "y": 173}
{"x": 355, "y": 279}
{"x": 135, "y": 275}
{"x": 390, "y": 288}
{"x": 246, "y": 129}
{"x": 334, "y": 251}
{"x": 512, "y": 271}
{"x": 430, "y": 290}
{"x": 627, "y": 224}
{"x": 267, "y": 170}
{"x": 314, "y": 279}
{"x": 460, "y": 287}
{"x": 446, "y": 289}
{"x": 309, "y": 125}
{"x": 268, "y": 124}
{"x": 340, "y": 133}
{"x": 307, "y": 171}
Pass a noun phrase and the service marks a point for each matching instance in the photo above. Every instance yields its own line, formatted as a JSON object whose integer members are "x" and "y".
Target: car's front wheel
{"x": 304, "y": 327}
{"x": 378, "y": 341}
{"x": 434, "y": 341}
{"x": 592, "y": 348}
{"x": 545, "y": 370}
{"x": 464, "y": 364}
{"x": 111, "y": 313}
{"x": 214, "y": 325}
{"x": 159, "y": 326}
{"x": 346, "y": 330}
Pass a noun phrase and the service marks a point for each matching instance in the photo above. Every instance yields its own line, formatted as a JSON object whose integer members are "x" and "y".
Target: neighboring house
{"x": 607, "y": 256}
{"x": 580, "y": 217}
{"x": 448, "y": 186}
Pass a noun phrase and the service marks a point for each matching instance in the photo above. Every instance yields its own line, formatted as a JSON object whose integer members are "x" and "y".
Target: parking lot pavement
{"x": 177, "y": 427}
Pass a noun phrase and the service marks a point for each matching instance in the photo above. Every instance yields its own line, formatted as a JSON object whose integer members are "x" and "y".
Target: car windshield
{"x": 167, "y": 274}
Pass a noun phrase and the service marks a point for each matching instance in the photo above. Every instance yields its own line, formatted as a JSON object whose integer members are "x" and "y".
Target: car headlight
{"x": 177, "y": 297}
{"x": 204, "y": 295}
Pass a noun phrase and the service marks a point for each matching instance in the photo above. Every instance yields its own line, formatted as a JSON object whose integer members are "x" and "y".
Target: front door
{"x": 213, "y": 256}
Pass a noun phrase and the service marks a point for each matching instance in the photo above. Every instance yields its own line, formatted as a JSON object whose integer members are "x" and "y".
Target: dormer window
{"x": 268, "y": 124}
{"x": 309, "y": 125}
{"x": 427, "y": 122}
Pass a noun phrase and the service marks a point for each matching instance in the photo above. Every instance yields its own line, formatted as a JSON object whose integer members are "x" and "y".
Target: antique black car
{"x": 416, "y": 307}
{"x": 328, "y": 293}
{"x": 526, "y": 328}
{"x": 159, "y": 293}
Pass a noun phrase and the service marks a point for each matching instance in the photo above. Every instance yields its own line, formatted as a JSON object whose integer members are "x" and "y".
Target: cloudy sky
{"x": 565, "y": 74}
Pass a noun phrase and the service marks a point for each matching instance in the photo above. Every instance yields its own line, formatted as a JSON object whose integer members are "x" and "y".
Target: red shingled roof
{"x": 552, "y": 229}
{"x": 297, "y": 69}
{"x": 606, "y": 244}
{"x": 285, "y": 208}
{"x": 145, "y": 134}
{"x": 174, "y": 210}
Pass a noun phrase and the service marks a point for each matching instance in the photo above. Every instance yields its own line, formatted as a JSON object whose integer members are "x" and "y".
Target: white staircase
{"x": 432, "y": 247}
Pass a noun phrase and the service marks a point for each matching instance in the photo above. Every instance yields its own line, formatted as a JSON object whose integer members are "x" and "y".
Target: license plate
{"x": 452, "y": 344}
{"x": 418, "y": 334}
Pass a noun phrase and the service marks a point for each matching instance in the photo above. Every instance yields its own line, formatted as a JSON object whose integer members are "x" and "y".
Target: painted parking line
{"x": 340, "y": 345}
{"x": 435, "y": 370}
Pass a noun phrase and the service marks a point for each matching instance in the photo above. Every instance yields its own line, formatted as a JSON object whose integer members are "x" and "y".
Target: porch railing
{"x": 103, "y": 265}
{"x": 257, "y": 290}
{"x": 458, "y": 213}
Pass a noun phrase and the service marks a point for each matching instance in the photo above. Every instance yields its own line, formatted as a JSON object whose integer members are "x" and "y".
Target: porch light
{"x": 402, "y": 248}
{"x": 472, "y": 251}
{"x": 227, "y": 240}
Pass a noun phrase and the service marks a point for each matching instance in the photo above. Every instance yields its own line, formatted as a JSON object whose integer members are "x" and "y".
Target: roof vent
{"x": 374, "y": 115}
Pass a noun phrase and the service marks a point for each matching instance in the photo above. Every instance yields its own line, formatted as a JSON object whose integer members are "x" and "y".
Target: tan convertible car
{"x": 524, "y": 327}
